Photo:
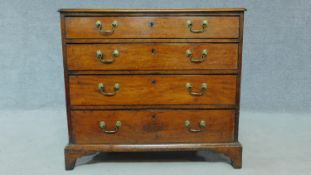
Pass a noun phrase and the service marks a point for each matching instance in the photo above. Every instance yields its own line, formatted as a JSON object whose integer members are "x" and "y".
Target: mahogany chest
{"x": 152, "y": 80}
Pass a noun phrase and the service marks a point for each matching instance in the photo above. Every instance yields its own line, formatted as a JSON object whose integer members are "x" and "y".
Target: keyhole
{"x": 153, "y": 116}
{"x": 151, "y": 24}
{"x": 153, "y": 82}
{"x": 153, "y": 51}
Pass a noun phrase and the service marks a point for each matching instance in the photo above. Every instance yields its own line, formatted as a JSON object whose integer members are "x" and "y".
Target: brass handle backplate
{"x": 197, "y": 60}
{"x": 102, "y": 90}
{"x": 99, "y": 27}
{"x": 101, "y": 57}
{"x": 102, "y": 125}
{"x": 202, "y": 124}
{"x": 204, "y": 88}
{"x": 204, "y": 26}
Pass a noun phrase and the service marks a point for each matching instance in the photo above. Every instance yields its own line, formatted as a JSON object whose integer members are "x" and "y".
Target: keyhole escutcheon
{"x": 151, "y": 24}
{"x": 153, "y": 51}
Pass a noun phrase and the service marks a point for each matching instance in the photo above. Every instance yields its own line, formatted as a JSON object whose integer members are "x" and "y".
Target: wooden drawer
{"x": 153, "y": 89}
{"x": 153, "y": 27}
{"x": 162, "y": 56}
{"x": 157, "y": 126}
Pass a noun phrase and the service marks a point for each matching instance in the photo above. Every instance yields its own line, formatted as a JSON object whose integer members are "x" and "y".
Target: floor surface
{"x": 32, "y": 142}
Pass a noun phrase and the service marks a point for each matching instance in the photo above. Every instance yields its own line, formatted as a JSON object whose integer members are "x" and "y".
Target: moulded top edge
{"x": 76, "y": 10}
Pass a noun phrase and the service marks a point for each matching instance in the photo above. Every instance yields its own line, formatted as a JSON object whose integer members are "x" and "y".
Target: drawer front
{"x": 152, "y": 27}
{"x": 163, "y": 56}
{"x": 129, "y": 127}
{"x": 152, "y": 89}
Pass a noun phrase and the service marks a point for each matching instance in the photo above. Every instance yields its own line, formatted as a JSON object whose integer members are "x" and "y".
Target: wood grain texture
{"x": 161, "y": 56}
{"x": 175, "y": 10}
{"x": 164, "y": 27}
{"x": 71, "y": 156}
{"x": 154, "y": 106}
{"x": 157, "y": 72}
{"x": 148, "y": 90}
{"x": 238, "y": 95}
{"x": 232, "y": 150}
{"x": 148, "y": 40}
{"x": 66, "y": 80}
{"x": 153, "y": 126}
{"x": 153, "y": 101}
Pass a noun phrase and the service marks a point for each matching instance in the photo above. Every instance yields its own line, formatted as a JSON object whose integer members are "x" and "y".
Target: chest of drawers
{"x": 152, "y": 80}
